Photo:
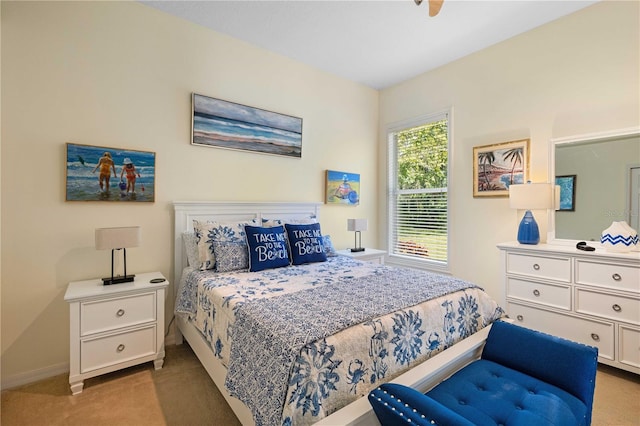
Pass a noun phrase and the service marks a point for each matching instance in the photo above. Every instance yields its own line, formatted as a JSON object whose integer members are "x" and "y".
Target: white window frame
{"x": 399, "y": 259}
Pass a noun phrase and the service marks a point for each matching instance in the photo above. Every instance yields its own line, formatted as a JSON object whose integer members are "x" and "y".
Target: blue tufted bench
{"x": 523, "y": 377}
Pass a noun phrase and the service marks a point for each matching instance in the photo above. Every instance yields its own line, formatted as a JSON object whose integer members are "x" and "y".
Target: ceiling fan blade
{"x": 434, "y": 7}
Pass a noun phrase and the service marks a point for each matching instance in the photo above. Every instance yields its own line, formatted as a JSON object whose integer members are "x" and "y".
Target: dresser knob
{"x": 595, "y": 337}
{"x": 616, "y": 308}
{"x": 536, "y": 266}
{"x": 120, "y": 347}
{"x": 520, "y": 318}
{"x": 536, "y": 293}
{"x": 120, "y": 312}
{"x": 616, "y": 277}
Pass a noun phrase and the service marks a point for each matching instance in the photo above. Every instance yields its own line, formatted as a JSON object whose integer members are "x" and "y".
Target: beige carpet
{"x": 183, "y": 394}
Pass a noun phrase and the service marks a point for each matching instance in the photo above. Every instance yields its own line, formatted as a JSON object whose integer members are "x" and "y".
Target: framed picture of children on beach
{"x": 342, "y": 188}
{"x": 497, "y": 166}
{"x": 98, "y": 173}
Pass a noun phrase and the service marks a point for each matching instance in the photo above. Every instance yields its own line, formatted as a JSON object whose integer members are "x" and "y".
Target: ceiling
{"x": 376, "y": 43}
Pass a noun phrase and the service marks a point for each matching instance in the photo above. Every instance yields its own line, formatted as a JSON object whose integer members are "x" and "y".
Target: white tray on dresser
{"x": 589, "y": 297}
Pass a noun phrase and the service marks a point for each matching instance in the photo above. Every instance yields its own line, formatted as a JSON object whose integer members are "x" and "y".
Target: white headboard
{"x": 188, "y": 211}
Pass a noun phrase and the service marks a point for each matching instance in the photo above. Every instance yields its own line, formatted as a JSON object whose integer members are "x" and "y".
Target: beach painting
{"x": 567, "y": 186}
{"x": 98, "y": 173}
{"x": 223, "y": 124}
{"x": 342, "y": 188}
{"x": 497, "y": 166}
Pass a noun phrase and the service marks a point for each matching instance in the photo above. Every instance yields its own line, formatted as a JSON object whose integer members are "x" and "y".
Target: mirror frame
{"x": 589, "y": 137}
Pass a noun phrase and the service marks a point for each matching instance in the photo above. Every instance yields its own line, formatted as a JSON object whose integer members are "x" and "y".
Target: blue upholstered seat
{"x": 523, "y": 378}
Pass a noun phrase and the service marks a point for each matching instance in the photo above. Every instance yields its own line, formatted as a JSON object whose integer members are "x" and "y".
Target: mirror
{"x": 599, "y": 175}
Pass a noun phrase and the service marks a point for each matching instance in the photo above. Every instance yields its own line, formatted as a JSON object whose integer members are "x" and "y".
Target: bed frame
{"x": 422, "y": 377}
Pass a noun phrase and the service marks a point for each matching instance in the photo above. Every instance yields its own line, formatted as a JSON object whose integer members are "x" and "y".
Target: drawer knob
{"x": 520, "y": 318}
{"x": 120, "y": 347}
{"x": 536, "y": 266}
{"x": 616, "y": 308}
{"x": 616, "y": 277}
{"x": 120, "y": 312}
{"x": 536, "y": 292}
{"x": 595, "y": 337}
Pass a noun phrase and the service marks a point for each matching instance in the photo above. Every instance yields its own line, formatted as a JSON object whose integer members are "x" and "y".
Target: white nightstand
{"x": 371, "y": 255}
{"x": 114, "y": 326}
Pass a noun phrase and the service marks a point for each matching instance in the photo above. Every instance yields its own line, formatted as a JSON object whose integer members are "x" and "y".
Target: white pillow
{"x": 191, "y": 248}
{"x": 269, "y": 222}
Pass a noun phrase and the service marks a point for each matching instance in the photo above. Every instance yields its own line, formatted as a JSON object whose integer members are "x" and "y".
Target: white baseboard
{"x": 33, "y": 376}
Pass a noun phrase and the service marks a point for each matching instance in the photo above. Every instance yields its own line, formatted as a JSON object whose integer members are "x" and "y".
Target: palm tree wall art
{"x": 497, "y": 166}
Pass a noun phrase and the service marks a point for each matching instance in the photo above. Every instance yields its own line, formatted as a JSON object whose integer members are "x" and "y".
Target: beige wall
{"x": 577, "y": 75}
{"x": 121, "y": 75}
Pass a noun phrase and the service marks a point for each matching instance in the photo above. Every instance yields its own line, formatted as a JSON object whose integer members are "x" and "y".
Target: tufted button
{"x": 518, "y": 407}
{"x": 461, "y": 402}
{"x": 480, "y": 388}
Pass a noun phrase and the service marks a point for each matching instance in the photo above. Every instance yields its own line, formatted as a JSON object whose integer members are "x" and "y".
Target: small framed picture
{"x": 567, "y": 192}
{"x": 497, "y": 166}
{"x": 342, "y": 188}
{"x": 98, "y": 173}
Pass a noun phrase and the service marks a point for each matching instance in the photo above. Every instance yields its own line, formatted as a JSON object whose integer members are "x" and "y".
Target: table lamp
{"x": 357, "y": 225}
{"x": 530, "y": 196}
{"x": 118, "y": 239}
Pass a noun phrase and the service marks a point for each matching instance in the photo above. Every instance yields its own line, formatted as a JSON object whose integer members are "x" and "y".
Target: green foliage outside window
{"x": 421, "y": 191}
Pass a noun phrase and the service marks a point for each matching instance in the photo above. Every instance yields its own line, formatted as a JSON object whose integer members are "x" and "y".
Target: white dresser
{"x": 589, "y": 297}
{"x": 114, "y": 326}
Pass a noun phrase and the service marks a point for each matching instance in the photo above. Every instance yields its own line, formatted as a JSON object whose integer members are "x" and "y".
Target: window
{"x": 417, "y": 191}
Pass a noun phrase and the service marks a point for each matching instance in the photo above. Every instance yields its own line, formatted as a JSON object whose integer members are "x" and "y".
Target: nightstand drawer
{"x": 553, "y": 268}
{"x": 605, "y": 305}
{"x": 114, "y": 349}
{"x": 546, "y": 294}
{"x": 115, "y": 313}
{"x": 608, "y": 275}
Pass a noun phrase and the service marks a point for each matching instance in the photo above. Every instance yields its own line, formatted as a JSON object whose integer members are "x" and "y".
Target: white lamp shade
{"x": 530, "y": 196}
{"x": 356, "y": 224}
{"x": 117, "y": 238}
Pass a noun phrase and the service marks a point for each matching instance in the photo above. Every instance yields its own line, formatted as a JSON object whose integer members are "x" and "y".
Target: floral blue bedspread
{"x": 310, "y": 339}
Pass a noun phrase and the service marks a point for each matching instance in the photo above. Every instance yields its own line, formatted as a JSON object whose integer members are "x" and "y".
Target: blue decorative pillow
{"x": 305, "y": 243}
{"x": 231, "y": 256}
{"x": 207, "y": 232}
{"x": 329, "y": 249}
{"x": 267, "y": 247}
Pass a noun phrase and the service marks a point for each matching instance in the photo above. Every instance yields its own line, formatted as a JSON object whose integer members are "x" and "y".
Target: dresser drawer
{"x": 605, "y": 305}
{"x": 558, "y": 296}
{"x": 608, "y": 275}
{"x": 594, "y": 333}
{"x": 553, "y": 268}
{"x": 629, "y": 347}
{"x": 113, "y": 349}
{"x": 115, "y": 313}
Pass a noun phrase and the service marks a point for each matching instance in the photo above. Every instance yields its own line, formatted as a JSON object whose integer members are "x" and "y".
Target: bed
{"x": 236, "y": 320}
